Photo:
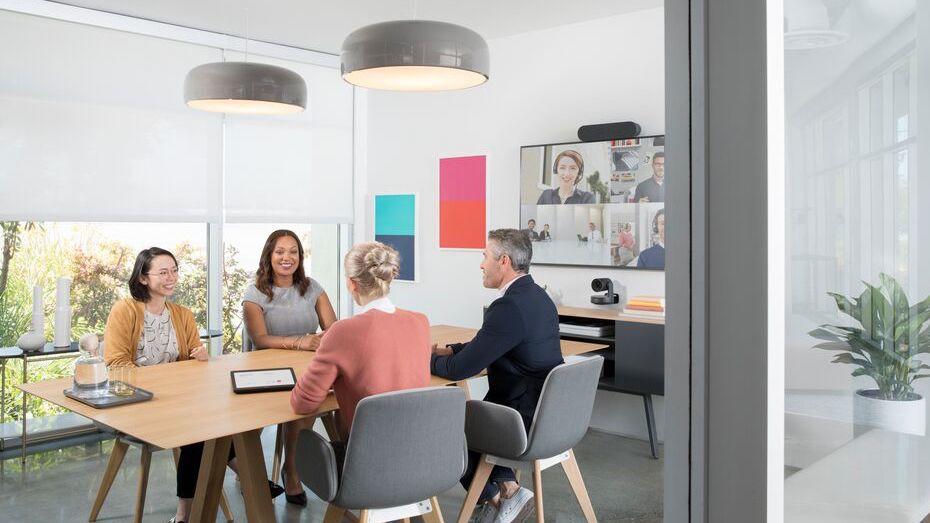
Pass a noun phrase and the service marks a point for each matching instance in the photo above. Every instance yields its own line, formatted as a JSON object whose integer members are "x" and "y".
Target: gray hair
{"x": 515, "y": 244}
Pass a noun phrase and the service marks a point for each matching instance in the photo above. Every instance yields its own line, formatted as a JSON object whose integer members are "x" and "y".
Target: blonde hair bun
{"x": 372, "y": 266}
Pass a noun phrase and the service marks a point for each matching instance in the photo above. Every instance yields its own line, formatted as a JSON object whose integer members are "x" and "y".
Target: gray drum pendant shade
{"x": 245, "y": 88}
{"x": 415, "y": 55}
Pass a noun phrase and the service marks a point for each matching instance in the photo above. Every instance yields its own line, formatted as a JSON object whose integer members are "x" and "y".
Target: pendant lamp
{"x": 415, "y": 55}
{"x": 245, "y": 88}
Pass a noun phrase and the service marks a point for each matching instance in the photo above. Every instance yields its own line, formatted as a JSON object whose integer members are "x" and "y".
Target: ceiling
{"x": 321, "y": 26}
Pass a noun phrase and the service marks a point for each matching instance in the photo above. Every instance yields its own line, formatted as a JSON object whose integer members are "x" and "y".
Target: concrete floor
{"x": 624, "y": 483}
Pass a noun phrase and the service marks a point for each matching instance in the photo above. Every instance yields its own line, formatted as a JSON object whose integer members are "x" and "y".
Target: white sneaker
{"x": 516, "y": 508}
{"x": 484, "y": 513}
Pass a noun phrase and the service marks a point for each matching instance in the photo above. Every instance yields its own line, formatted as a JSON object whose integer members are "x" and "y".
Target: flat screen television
{"x": 596, "y": 204}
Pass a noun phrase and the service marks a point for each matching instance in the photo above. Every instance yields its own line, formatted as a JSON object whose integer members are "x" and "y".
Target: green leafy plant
{"x": 599, "y": 187}
{"x": 885, "y": 345}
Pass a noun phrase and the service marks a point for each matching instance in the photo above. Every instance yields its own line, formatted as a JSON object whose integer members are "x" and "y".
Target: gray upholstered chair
{"x": 560, "y": 421}
{"x": 404, "y": 449}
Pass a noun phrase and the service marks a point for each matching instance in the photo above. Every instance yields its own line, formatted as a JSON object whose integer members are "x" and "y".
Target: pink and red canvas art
{"x": 462, "y": 202}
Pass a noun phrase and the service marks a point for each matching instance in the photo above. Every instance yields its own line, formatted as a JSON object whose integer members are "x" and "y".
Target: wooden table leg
{"x": 210, "y": 480}
{"x": 254, "y": 479}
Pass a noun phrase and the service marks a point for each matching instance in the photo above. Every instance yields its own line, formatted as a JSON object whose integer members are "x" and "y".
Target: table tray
{"x": 112, "y": 400}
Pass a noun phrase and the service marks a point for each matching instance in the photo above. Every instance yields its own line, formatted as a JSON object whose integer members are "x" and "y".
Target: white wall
{"x": 543, "y": 86}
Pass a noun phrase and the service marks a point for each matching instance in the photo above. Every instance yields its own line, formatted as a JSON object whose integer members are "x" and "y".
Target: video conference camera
{"x": 601, "y": 285}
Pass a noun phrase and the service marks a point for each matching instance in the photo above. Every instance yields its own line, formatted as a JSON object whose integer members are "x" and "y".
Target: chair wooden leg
{"x": 278, "y": 449}
{"x": 113, "y": 464}
{"x": 464, "y": 386}
{"x": 363, "y": 516}
{"x": 474, "y": 490}
{"x": 144, "y": 466}
{"x": 334, "y": 514}
{"x": 435, "y": 516}
{"x": 538, "y": 492}
{"x": 570, "y": 466}
{"x": 224, "y": 506}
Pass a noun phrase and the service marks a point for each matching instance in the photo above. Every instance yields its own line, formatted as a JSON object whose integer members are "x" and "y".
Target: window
{"x": 99, "y": 258}
{"x": 242, "y": 247}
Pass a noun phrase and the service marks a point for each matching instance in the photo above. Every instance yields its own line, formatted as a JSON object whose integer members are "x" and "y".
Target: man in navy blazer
{"x": 518, "y": 343}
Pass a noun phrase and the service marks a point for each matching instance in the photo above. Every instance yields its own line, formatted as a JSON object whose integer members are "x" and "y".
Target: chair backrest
{"x": 404, "y": 447}
{"x": 247, "y": 345}
{"x": 564, "y": 408}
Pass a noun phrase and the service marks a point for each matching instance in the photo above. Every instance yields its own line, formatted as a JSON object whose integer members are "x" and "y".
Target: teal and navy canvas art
{"x": 396, "y": 225}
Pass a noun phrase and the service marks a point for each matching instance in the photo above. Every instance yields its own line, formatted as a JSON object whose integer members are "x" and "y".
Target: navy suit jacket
{"x": 518, "y": 343}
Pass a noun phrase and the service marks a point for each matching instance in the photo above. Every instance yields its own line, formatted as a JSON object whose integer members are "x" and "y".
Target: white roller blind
{"x": 295, "y": 168}
{"x": 93, "y": 126}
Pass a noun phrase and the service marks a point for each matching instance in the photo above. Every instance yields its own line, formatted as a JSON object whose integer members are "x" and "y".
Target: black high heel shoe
{"x": 275, "y": 489}
{"x": 296, "y": 499}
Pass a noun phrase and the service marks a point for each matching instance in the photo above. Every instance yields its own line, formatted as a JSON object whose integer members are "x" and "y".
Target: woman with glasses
{"x": 147, "y": 329}
{"x": 284, "y": 309}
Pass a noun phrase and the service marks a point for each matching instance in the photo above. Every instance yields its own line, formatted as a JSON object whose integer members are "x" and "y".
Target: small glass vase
{"x": 90, "y": 371}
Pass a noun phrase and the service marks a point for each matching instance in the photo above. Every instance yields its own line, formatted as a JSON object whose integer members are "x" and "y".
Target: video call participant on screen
{"x": 654, "y": 257}
{"x": 519, "y": 344}
{"x": 544, "y": 234}
{"x": 531, "y": 230}
{"x": 653, "y": 189}
{"x": 567, "y": 172}
{"x": 594, "y": 234}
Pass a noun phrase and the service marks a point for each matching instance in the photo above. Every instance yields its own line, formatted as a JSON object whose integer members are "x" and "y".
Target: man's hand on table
{"x": 441, "y": 351}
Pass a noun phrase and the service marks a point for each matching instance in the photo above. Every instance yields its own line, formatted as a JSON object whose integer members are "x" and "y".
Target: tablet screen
{"x": 280, "y": 379}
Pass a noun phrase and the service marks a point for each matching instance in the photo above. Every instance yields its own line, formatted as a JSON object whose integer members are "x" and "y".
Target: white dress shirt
{"x": 503, "y": 289}
{"x": 383, "y": 304}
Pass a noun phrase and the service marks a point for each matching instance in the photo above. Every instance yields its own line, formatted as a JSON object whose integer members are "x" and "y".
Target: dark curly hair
{"x": 264, "y": 277}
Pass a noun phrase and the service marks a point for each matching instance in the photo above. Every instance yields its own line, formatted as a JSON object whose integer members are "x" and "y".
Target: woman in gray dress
{"x": 284, "y": 309}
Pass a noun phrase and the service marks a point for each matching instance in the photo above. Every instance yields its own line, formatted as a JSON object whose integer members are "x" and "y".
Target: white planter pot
{"x": 908, "y": 416}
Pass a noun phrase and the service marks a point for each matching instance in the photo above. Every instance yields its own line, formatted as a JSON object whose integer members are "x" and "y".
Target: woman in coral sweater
{"x": 380, "y": 349}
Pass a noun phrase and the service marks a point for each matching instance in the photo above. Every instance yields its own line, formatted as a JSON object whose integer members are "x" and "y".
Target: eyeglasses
{"x": 165, "y": 272}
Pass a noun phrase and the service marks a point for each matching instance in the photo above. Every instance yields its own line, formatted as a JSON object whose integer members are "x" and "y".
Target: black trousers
{"x": 189, "y": 468}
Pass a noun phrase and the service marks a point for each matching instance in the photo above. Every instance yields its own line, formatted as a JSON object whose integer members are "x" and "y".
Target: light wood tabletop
{"x": 609, "y": 314}
{"x": 444, "y": 334}
{"x": 193, "y": 402}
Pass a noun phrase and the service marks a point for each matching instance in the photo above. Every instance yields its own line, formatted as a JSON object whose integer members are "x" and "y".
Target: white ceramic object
{"x": 908, "y": 417}
{"x": 31, "y": 341}
{"x": 38, "y": 311}
{"x": 63, "y": 313}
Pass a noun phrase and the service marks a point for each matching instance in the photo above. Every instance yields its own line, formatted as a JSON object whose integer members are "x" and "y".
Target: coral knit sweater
{"x": 365, "y": 355}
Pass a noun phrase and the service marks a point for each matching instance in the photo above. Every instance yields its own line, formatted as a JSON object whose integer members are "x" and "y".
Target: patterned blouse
{"x": 158, "y": 343}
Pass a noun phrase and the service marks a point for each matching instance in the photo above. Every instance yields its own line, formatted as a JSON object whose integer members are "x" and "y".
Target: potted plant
{"x": 884, "y": 346}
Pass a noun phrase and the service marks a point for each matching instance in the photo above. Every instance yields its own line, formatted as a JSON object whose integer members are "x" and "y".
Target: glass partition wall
{"x": 857, "y": 218}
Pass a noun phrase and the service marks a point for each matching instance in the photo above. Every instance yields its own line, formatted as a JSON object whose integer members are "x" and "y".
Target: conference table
{"x": 193, "y": 401}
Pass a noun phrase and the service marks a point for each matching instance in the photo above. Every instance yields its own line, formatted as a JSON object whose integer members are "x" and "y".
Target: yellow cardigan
{"x": 124, "y": 328}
